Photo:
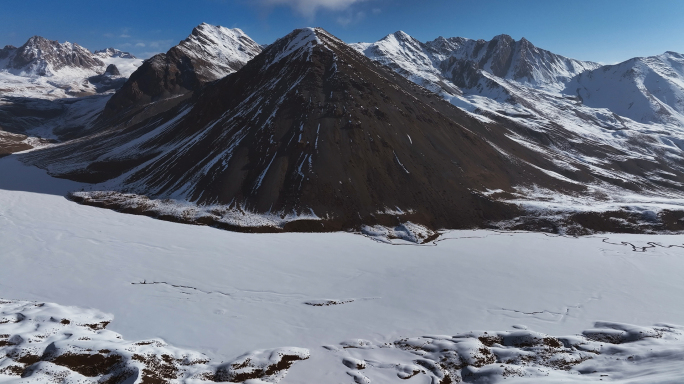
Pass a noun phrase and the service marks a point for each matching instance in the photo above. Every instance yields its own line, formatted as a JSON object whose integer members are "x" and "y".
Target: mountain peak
{"x": 38, "y": 39}
{"x": 42, "y": 57}
{"x": 402, "y": 35}
{"x": 295, "y": 44}
{"x": 113, "y": 52}
{"x": 502, "y": 37}
{"x": 209, "y": 53}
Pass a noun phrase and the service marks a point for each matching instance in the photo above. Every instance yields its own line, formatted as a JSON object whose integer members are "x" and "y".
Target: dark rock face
{"x": 112, "y": 70}
{"x": 41, "y": 56}
{"x": 313, "y": 126}
{"x": 110, "y": 79}
{"x": 160, "y": 77}
{"x": 6, "y": 51}
{"x": 208, "y": 54}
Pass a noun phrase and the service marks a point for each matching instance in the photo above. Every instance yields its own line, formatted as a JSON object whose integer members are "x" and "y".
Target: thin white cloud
{"x": 309, "y": 7}
{"x": 125, "y": 36}
{"x": 350, "y": 18}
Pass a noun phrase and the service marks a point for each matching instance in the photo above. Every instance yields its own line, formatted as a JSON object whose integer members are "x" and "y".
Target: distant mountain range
{"x": 45, "y": 68}
{"x": 310, "y": 133}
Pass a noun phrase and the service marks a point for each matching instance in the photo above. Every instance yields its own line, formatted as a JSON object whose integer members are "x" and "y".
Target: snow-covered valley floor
{"x": 352, "y": 309}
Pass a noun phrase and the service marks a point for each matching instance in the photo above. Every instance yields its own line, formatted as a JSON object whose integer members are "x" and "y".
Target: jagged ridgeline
{"x": 313, "y": 129}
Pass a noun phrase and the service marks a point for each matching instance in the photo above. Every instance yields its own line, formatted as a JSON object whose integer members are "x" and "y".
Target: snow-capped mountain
{"x": 42, "y": 57}
{"x": 644, "y": 89}
{"x": 113, "y": 52}
{"x": 125, "y": 63}
{"x": 508, "y": 59}
{"x": 208, "y": 54}
{"x": 410, "y": 58}
{"x": 43, "y": 68}
{"x": 217, "y": 51}
{"x": 312, "y": 129}
{"x": 445, "y": 65}
{"x": 577, "y": 114}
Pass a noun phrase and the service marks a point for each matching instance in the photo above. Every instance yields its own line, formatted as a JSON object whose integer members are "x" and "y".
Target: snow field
{"x": 222, "y": 293}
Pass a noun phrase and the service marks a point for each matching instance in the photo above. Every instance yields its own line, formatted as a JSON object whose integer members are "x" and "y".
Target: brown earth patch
{"x": 90, "y": 365}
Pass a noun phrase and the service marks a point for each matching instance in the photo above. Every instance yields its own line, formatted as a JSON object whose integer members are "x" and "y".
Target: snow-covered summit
{"x": 507, "y": 58}
{"x": 298, "y": 42}
{"x": 113, "y": 52}
{"x": 446, "y": 64}
{"x": 411, "y": 58}
{"x": 42, "y": 57}
{"x": 43, "y": 68}
{"x": 224, "y": 50}
{"x": 644, "y": 89}
{"x": 209, "y": 53}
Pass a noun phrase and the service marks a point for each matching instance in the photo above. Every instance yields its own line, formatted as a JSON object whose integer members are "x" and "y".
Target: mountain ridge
{"x": 207, "y": 54}
{"x": 311, "y": 134}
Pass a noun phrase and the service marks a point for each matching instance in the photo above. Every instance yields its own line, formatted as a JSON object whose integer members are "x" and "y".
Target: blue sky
{"x": 607, "y": 31}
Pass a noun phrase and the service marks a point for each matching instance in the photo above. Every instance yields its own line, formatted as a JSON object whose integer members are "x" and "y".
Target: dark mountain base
{"x": 589, "y": 223}
{"x": 569, "y": 224}
{"x": 224, "y": 217}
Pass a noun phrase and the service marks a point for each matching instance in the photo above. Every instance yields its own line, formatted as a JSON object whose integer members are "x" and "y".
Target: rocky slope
{"x": 606, "y": 121}
{"x": 311, "y": 128}
{"x": 208, "y": 54}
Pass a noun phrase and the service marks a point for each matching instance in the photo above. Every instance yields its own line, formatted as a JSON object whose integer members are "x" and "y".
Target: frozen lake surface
{"x": 224, "y": 294}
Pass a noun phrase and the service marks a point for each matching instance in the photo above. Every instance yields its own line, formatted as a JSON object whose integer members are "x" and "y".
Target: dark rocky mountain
{"x": 208, "y": 54}
{"x": 312, "y": 127}
{"x": 42, "y": 57}
{"x": 112, "y": 70}
{"x": 6, "y": 51}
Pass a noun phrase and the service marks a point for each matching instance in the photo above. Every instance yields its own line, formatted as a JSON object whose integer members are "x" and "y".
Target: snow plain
{"x": 223, "y": 293}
